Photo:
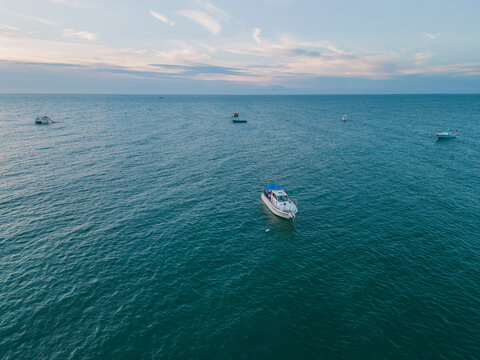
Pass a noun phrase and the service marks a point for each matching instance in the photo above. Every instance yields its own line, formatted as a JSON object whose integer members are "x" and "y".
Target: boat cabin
{"x": 280, "y": 195}
{"x": 276, "y": 195}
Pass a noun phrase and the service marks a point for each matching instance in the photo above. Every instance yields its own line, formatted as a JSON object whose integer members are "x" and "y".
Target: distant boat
{"x": 43, "y": 120}
{"x": 344, "y": 117}
{"x": 278, "y": 202}
{"x": 236, "y": 119}
{"x": 447, "y": 134}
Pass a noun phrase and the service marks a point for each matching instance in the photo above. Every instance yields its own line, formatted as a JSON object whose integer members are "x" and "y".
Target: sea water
{"x": 135, "y": 228}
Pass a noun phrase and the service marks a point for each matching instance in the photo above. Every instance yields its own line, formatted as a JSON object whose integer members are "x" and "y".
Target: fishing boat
{"x": 447, "y": 134}
{"x": 276, "y": 198}
{"x": 344, "y": 118}
{"x": 43, "y": 120}
{"x": 236, "y": 119}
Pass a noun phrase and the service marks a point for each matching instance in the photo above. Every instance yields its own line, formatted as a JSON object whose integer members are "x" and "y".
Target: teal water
{"x": 134, "y": 229}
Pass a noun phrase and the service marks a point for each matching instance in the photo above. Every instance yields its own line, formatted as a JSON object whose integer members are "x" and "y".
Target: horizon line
{"x": 249, "y": 94}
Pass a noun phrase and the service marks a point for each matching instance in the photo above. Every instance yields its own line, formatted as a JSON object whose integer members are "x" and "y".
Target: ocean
{"x": 135, "y": 229}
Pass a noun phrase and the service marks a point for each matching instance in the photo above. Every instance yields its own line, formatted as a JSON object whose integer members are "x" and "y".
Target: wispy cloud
{"x": 27, "y": 17}
{"x": 203, "y": 19}
{"x": 84, "y": 35}
{"x": 75, "y": 4}
{"x": 215, "y": 11}
{"x": 210, "y": 48}
{"x": 419, "y": 58}
{"x": 40, "y": 20}
{"x": 210, "y": 17}
{"x": 187, "y": 54}
{"x": 256, "y": 35}
{"x": 200, "y": 69}
{"x": 258, "y": 59}
{"x": 11, "y": 32}
{"x": 431, "y": 36}
{"x": 162, "y": 18}
{"x": 8, "y": 27}
{"x": 452, "y": 70}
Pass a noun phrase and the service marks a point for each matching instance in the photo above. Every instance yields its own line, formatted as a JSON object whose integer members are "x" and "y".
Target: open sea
{"x": 134, "y": 229}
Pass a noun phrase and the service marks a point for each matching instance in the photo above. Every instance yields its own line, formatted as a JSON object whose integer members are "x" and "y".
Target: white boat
{"x": 277, "y": 200}
{"x": 42, "y": 120}
{"x": 344, "y": 117}
{"x": 447, "y": 134}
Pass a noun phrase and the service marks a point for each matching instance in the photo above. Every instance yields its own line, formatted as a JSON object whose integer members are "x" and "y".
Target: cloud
{"x": 84, "y": 35}
{"x": 211, "y": 17}
{"x": 162, "y": 18}
{"x": 57, "y": 64}
{"x": 40, "y": 20}
{"x": 256, "y": 35}
{"x": 257, "y": 60}
{"x": 452, "y": 70}
{"x": 75, "y": 4}
{"x": 201, "y": 69}
{"x": 8, "y": 27}
{"x": 183, "y": 55}
{"x": 431, "y": 36}
{"x": 215, "y": 11}
{"x": 27, "y": 17}
{"x": 210, "y": 49}
{"x": 203, "y": 19}
{"x": 319, "y": 59}
{"x": 419, "y": 58}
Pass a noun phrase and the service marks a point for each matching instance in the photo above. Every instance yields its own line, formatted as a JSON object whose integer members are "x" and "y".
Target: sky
{"x": 240, "y": 47}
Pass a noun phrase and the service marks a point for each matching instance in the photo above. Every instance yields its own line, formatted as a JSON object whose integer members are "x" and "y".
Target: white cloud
{"x": 419, "y": 58}
{"x": 210, "y": 49}
{"x": 203, "y": 19}
{"x": 215, "y": 11}
{"x": 8, "y": 27}
{"x": 162, "y": 18}
{"x": 36, "y": 19}
{"x": 84, "y": 35}
{"x": 181, "y": 56}
{"x": 210, "y": 18}
{"x": 431, "y": 36}
{"x": 32, "y": 18}
{"x": 256, "y": 35}
{"x": 75, "y": 4}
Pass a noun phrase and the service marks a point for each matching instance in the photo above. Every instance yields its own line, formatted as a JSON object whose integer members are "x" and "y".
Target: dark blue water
{"x": 134, "y": 229}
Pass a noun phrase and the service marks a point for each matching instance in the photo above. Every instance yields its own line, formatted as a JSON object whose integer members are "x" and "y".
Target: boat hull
{"x": 446, "y": 137}
{"x": 273, "y": 209}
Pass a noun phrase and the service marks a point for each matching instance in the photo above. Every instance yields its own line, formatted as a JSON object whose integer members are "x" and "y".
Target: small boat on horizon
{"x": 277, "y": 200}
{"x": 236, "y": 119}
{"x": 43, "y": 120}
{"x": 447, "y": 134}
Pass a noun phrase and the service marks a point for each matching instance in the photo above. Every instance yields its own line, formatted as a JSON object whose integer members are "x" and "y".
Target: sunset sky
{"x": 239, "y": 47}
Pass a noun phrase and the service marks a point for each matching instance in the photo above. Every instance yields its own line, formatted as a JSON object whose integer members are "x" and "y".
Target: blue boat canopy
{"x": 275, "y": 187}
